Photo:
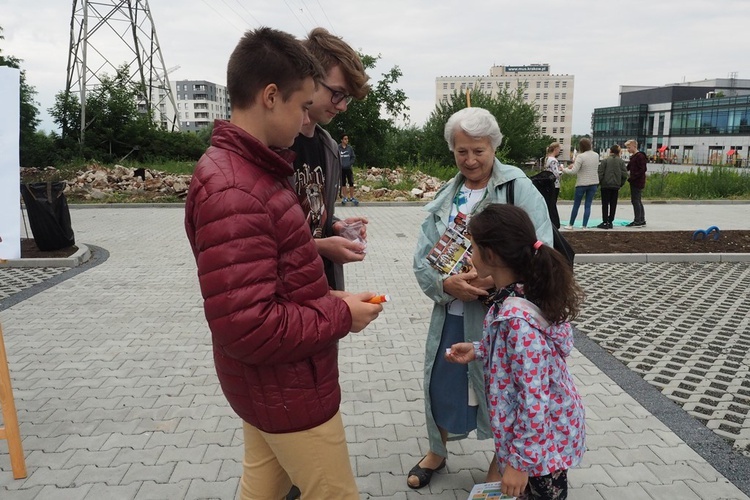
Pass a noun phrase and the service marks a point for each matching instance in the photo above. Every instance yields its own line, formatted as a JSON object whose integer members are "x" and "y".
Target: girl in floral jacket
{"x": 535, "y": 410}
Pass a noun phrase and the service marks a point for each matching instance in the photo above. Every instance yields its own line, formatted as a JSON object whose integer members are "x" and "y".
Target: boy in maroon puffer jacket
{"x": 274, "y": 323}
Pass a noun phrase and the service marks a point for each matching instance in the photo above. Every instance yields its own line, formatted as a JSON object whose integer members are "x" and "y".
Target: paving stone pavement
{"x": 117, "y": 396}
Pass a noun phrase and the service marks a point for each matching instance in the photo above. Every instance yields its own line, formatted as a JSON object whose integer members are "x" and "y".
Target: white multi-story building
{"x": 199, "y": 103}
{"x": 552, "y": 94}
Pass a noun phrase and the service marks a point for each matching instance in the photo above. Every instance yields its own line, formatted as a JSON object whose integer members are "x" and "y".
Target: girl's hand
{"x": 514, "y": 482}
{"x": 462, "y": 353}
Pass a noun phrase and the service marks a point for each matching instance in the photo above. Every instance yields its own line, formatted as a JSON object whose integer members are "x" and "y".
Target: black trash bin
{"x": 49, "y": 216}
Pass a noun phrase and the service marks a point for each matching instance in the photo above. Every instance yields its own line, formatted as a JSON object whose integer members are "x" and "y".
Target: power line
{"x": 310, "y": 13}
{"x": 326, "y": 16}
{"x": 237, "y": 13}
{"x": 223, "y": 17}
{"x": 304, "y": 30}
{"x": 248, "y": 13}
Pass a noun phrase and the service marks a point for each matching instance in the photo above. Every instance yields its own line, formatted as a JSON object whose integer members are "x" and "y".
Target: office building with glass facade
{"x": 706, "y": 122}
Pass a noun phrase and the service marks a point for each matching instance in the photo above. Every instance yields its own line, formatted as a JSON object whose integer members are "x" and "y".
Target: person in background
{"x": 586, "y": 166}
{"x": 553, "y": 165}
{"x": 274, "y": 322}
{"x": 317, "y": 169}
{"x": 612, "y": 176}
{"x": 538, "y": 418}
{"x": 453, "y": 395}
{"x": 347, "y": 157}
{"x": 637, "y": 167}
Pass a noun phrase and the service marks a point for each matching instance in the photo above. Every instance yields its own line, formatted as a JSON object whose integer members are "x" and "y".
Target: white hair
{"x": 475, "y": 122}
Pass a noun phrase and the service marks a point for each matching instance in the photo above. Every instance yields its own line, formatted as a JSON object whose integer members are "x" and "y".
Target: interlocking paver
{"x": 122, "y": 352}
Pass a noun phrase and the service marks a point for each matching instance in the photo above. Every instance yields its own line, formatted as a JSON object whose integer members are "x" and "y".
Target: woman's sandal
{"x": 424, "y": 474}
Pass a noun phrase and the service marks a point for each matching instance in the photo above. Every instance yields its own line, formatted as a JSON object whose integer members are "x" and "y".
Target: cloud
{"x": 603, "y": 44}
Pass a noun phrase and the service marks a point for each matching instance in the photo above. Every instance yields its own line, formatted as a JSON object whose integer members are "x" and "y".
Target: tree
{"x": 369, "y": 122}
{"x": 29, "y": 110}
{"x": 517, "y": 118}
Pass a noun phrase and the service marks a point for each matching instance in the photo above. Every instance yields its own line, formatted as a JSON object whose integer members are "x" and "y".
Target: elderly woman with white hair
{"x": 454, "y": 394}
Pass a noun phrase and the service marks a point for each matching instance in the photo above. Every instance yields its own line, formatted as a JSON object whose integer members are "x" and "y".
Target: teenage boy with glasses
{"x": 317, "y": 176}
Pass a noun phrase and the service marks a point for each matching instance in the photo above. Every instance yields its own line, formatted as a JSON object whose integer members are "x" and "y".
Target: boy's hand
{"x": 340, "y": 250}
{"x": 462, "y": 352}
{"x": 514, "y": 482}
{"x": 338, "y": 225}
{"x": 362, "y": 311}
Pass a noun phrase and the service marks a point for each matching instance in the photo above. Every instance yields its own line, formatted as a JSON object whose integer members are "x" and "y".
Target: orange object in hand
{"x": 379, "y": 299}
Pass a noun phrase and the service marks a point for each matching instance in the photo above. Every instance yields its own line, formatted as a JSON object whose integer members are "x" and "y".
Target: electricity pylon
{"x": 106, "y": 35}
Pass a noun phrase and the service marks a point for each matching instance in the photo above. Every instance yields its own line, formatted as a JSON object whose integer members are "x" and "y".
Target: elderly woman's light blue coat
{"x": 525, "y": 196}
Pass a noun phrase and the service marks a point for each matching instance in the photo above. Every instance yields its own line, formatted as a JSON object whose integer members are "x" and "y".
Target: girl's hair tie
{"x": 537, "y": 246}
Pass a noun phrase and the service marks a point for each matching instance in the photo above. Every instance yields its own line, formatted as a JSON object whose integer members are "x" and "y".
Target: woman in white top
{"x": 586, "y": 166}
{"x": 553, "y": 150}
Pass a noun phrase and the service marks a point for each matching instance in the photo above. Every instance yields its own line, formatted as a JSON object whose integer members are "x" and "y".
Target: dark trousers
{"x": 609, "y": 203}
{"x": 635, "y": 199}
{"x": 554, "y": 216}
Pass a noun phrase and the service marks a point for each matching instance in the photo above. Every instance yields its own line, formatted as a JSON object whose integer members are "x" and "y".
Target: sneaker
{"x": 343, "y": 202}
{"x": 355, "y": 201}
{"x": 604, "y": 225}
{"x": 641, "y": 224}
{"x": 632, "y": 224}
{"x": 609, "y": 225}
{"x": 568, "y": 227}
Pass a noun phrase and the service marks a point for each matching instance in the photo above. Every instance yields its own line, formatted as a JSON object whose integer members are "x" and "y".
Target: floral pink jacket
{"x": 536, "y": 413}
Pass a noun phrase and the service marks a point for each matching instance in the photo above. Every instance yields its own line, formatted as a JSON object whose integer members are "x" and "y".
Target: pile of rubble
{"x": 98, "y": 183}
{"x": 425, "y": 185}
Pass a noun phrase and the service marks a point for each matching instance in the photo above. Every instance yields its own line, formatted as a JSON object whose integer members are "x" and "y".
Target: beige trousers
{"x": 316, "y": 460}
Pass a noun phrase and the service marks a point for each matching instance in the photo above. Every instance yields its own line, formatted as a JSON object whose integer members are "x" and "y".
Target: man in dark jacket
{"x": 637, "y": 180}
{"x": 317, "y": 166}
{"x": 274, "y": 322}
{"x": 612, "y": 176}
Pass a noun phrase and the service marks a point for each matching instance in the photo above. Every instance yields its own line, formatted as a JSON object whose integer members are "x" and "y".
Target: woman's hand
{"x": 462, "y": 353}
{"x": 459, "y": 286}
{"x": 514, "y": 482}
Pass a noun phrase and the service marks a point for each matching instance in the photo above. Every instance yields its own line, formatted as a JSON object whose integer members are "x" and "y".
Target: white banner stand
{"x": 10, "y": 176}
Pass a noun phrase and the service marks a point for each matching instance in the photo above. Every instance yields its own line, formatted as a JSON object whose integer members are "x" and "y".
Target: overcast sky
{"x": 604, "y": 44}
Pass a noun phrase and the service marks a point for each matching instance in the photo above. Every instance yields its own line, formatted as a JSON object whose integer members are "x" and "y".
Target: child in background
{"x": 536, "y": 413}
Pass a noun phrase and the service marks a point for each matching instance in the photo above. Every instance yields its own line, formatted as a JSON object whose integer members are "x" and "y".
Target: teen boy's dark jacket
{"x": 273, "y": 323}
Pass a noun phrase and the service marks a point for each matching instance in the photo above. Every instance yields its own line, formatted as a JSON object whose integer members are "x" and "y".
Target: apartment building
{"x": 551, "y": 94}
{"x": 199, "y": 103}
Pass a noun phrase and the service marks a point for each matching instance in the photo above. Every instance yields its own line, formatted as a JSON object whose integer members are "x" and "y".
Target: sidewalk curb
{"x": 82, "y": 255}
{"x": 612, "y": 258}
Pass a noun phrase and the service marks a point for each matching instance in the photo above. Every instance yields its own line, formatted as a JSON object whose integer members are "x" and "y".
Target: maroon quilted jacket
{"x": 273, "y": 323}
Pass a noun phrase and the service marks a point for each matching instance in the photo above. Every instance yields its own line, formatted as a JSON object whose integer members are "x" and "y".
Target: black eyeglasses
{"x": 337, "y": 96}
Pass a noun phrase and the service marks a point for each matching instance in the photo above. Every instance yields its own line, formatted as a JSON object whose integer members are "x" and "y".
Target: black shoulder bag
{"x": 559, "y": 242}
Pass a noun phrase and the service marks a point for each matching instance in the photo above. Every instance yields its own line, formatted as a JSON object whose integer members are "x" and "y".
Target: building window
{"x": 546, "y": 85}
{"x": 554, "y": 130}
{"x": 562, "y": 108}
{"x": 557, "y": 84}
{"x": 544, "y": 118}
{"x": 554, "y": 118}
{"x": 561, "y": 141}
{"x": 562, "y": 118}
{"x": 557, "y": 108}
{"x": 564, "y": 95}
{"x": 445, "y": 86}
{"x": 546, "y": 96}
{"x": 453, "y": 85}
{"x": 544, "y": 130}
{"x": 538, "y": 84}
{"x": 525, "y": 85}
{"x": 557, "y": 96}
{"x": 544, "y": 108}
{"x": 526, "y": 96}
{"x": 562, "y": 130}
{"x": 507, "y": 85}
